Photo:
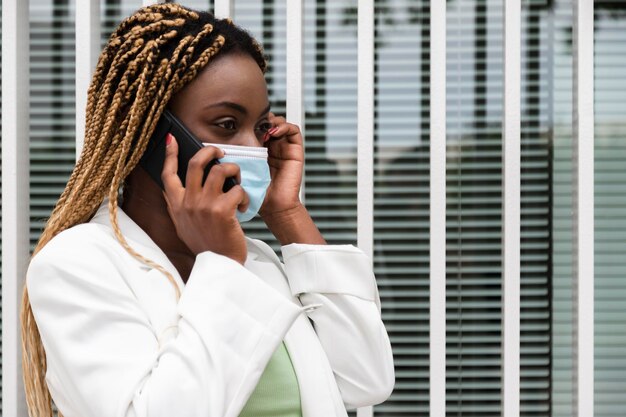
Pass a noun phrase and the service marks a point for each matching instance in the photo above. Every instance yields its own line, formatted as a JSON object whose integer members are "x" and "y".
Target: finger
{"x": 276, "y": 120}
{"x": 195, "y": 169}
{"x": 288, "y": 130}
{"x": 285, "y": 150}
{"x": 237, "y": 197}
{"x": 170, "y": 209}
{"x": 245, "y": 203}
{"x": 172, "y": 185}
{"x": 217, "y": 176}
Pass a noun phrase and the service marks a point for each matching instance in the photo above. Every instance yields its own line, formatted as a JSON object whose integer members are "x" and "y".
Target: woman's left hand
{"x": 286, "y": 160}
{"x": 282, "y": 210}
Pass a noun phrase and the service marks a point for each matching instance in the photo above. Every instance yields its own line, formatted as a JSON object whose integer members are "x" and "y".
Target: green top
{"x": 277, "y": 394}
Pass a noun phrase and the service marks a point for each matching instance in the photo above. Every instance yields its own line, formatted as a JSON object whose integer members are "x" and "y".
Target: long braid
{"x": 86, "y": 174}
{"x": 148, "y": 58}
{"x": 124, "y": 52}
{"x": 203, "y": 59}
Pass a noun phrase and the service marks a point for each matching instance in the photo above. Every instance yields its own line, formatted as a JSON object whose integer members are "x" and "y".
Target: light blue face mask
{"x": 255, "y": 174}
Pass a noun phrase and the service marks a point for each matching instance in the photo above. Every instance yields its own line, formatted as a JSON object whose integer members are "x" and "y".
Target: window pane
{"x": 610, "y": 208}
{"x": 52, "y": 123}
{"x": 401, "y": 195}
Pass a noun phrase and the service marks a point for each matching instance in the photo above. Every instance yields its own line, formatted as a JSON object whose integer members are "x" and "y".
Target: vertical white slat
{"x": 87, "y": 51}
{"x": 150, "y": 2}
{"x": 437, "y": 287}
{"x": 15, "y": 196}
{"x": 295, "y": 105}
{"x": 224, "y": 8}
{"x": 583, "y": 207}
{"x": 365, "y": 127}
{"x": 511, "y": 187}
{"x": 295, "y": 73}
{"x": 365, "y": 137}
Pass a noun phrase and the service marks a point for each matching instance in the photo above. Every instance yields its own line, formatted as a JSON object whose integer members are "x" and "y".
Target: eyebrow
{"x": 237, "y": 107}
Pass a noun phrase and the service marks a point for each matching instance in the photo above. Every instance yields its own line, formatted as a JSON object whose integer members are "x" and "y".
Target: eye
{"x": 264, "y": 127}
{"x": 227, "y": 124}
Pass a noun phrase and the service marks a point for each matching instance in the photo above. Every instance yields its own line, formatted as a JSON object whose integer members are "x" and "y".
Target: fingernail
{"x": 266, "y": 136}
{"x": 168, "y": 139}
{"x": 272, "y": 130}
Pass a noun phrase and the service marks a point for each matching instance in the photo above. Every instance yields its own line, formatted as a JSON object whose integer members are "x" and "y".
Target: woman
{"x": 232, "y": 331}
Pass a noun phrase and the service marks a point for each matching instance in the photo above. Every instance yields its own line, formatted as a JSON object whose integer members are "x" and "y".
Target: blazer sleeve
{"x": 104, "y": 359}
{"x": 339, "y": 278}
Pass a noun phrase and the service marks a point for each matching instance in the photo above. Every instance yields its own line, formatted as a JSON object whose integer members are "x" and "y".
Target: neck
{"x": 145, "y": 205}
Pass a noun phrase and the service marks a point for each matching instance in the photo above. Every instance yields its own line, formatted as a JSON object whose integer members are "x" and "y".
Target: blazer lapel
{"x": 138, "y": 240}
{"x": 312, "y": 369}
{"x": 152, "y": 289}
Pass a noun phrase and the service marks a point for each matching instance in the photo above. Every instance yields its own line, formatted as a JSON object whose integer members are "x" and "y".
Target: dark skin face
{"x": 226, "y": 103}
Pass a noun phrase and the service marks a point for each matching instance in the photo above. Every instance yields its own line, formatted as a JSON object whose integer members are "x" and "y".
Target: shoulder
{"x": 78, "y": 243}
{"x": 81, "y": 253}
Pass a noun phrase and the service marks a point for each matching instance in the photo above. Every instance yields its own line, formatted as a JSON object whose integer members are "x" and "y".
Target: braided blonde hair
{"x": 148, "y": 58}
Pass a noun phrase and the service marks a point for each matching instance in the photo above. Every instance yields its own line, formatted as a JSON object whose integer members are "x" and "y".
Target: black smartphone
{"x": 154, "y": 156}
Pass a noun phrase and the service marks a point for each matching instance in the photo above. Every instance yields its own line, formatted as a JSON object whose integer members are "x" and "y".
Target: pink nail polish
{"x": 168, "y": 139}
{"x": 272, "y": 130}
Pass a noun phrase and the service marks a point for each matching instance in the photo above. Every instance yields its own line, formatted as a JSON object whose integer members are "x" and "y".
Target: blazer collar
{"x": 129, "y": 228}
{"x": 137, "y": 238}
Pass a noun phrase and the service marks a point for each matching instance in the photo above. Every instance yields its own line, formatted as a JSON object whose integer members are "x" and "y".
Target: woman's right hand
{"x": 204, "y": 216}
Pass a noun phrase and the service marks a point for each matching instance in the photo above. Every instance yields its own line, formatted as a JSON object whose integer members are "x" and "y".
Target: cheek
{"x": 247, "y": 137}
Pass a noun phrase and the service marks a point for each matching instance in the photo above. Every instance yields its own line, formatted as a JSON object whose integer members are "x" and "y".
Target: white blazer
{"x": 118, "y": 344}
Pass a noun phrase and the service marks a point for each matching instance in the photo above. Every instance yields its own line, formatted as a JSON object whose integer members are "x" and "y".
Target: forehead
{"x": 233, "y": 77}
